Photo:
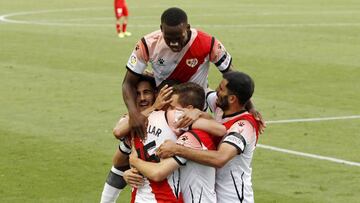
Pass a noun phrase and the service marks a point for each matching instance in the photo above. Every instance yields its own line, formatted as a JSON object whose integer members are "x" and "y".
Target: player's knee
{"x": 115, "y": 177}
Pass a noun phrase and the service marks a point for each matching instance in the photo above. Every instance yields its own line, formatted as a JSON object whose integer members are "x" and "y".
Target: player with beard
{"x": 235, "y": 151}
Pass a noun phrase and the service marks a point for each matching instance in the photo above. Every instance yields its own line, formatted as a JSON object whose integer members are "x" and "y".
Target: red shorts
{"x": 121, "y": 11}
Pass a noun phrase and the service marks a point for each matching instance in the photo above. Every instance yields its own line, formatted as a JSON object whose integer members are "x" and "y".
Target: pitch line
{"x": 313, "y": 119}
{"x": 303, "y": 154}
{"x": 6, "y": 19}
{"x": 314, "y": 156}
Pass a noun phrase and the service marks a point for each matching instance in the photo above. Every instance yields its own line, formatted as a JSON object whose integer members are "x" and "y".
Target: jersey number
{"x": 144, "y": 152}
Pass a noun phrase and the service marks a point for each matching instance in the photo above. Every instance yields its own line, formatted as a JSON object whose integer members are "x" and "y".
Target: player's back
{"x": 197, "y": 181}
{"x": 167, "y": 190}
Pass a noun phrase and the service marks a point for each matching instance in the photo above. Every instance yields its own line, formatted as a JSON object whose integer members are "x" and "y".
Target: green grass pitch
{"x": 62, "y": 65}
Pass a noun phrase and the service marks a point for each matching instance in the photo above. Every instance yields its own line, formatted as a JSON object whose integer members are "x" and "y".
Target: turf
{"x": 60, "y": 94}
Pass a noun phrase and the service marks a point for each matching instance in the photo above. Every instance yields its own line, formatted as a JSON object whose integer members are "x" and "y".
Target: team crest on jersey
{"x": 133, "y": 60}
{"x": 192, "y": 62}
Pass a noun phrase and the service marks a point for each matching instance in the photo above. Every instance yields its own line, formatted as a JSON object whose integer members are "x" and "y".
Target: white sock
{"x": 109, "y": 194}
{"x": 113, "y": 186}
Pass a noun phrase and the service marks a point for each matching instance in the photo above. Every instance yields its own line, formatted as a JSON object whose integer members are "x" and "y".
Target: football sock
{"x": 124, "y": 27}
{"x": 118, "y": 28}
{"x": 114, "y": 184}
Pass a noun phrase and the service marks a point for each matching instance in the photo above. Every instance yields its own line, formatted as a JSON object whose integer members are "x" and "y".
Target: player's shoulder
{"x": 153, "y": 36}
{"x": 190, "y": 139}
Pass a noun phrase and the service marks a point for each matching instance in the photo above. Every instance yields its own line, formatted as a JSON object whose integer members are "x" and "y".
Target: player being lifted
{"x": 176, "y": 51}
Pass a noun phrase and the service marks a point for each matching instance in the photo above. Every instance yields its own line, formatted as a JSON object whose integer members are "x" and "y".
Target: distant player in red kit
{"x": 121, "y": 14}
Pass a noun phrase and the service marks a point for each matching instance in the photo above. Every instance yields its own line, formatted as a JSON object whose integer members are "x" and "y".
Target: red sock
{"x": 124, "y": 27}
{"x": 118, "y": 28}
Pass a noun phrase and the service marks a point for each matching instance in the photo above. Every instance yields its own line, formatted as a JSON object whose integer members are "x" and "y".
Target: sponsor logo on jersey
{"x": 192, "y": 62}
{"x": 133, "y": 60}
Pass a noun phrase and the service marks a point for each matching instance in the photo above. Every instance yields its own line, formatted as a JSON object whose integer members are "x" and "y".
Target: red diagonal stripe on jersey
{"x": 163, "y": 192}
{"x": 197, "y": 52}
{"x": 205, "y": 138}
{"x": 248, "y": 117}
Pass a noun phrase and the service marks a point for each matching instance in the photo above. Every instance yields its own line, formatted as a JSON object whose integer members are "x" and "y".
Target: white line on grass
{"x": 314, "y": 119}
{"x": 6, "y": 18}
{"x": 314, "y": 156}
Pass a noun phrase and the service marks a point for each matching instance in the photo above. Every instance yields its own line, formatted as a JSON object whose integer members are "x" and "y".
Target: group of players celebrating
{"x": 170, "y": 149}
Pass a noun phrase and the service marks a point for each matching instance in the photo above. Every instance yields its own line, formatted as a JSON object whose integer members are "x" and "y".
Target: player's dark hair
{"x": 240, "y": 84}
{"x": 190, "y": 94}
{"x": 173, "y": 16}
{"x": 169, "y": 82}
{"x": 148, "y": 79}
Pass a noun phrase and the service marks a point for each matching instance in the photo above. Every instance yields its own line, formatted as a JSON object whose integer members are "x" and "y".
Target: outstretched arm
{"x": 200, "y": 120}
{"x": 212, "y": 158}
{"x": 210, "y": 126}
{"x": 154, "y": 171}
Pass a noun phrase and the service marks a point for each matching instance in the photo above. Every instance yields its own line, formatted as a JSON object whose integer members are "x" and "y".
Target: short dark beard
{"x": 223, "y": 103}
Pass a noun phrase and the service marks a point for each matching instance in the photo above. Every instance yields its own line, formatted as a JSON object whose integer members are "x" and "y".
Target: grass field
{"x": 62, "y": 65}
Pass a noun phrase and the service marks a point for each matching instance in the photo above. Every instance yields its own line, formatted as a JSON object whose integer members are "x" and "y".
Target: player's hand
{"x": 163, "y": 98}
{"x": 138, "y": 124}
{"x": 188, "y": 117}
{"x": 259, "y": 119}
{"x": 167, "y": 149}
{"x": 133, "y": 155}
{"x": 133, "y": 178}
{"x": 148, "y": 73}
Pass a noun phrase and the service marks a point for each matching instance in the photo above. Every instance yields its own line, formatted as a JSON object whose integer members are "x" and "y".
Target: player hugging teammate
{"x": 203, "y": 160}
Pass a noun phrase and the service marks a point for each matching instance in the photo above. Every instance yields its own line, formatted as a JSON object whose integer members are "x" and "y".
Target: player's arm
{"x": 154, "y": 171}
{"x": 135, "y": 66}
{"x": 215, "y": 158}
{"x": 210, "y": 126}
{"x": 200, "y": 120}
{"x": 122, "y": 128}
{"x": 220, "y": 57}
{"x": 232, "y": 144}
{"x": 136, "y": 119}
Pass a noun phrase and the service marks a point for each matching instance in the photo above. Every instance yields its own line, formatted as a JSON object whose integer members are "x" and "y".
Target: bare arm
{"x": 136, "y": 119}
{"x": 154, "y": 171}
{"x": 121, "y": 128}
{"x": 207, "y": 157}
{"x": 210, "y": 126}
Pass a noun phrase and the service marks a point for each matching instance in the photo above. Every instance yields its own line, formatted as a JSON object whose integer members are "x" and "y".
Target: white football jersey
{"x": 233, "y": 181}
{"x": 197, "y": 181}
{"x": 168, "y": 190}
{"x": 191, "y": 64}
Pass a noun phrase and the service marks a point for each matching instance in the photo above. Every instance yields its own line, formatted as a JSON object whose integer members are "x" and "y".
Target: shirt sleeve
{"x": 220, "y": 57}
{"x": 125, "y": 145}
{"x": 137, "y": 62}
{"x": 188, "y": 139}
{"x": 240, "y": 134}
{"x": 211, "y": 100}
